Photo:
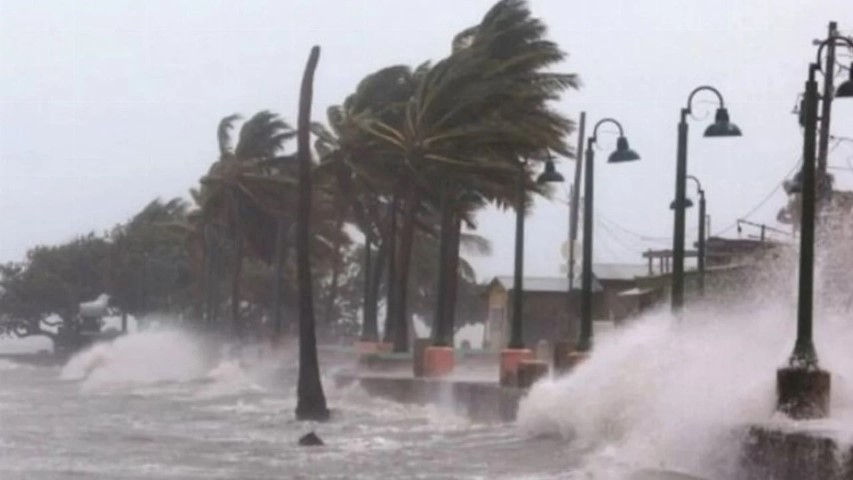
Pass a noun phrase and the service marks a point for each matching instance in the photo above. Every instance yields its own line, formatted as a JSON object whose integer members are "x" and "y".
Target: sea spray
{"x": 678, "y": 394}
{"x": 138, "y": 359}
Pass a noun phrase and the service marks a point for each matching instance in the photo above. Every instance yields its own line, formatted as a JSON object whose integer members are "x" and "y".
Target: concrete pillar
{"x": 510, "y": 360}
{"x": 530, "y": 371}
{"x": 803, "y": 393}
{"x": 438, "y": 361}
{"x": 575, "y": 359}
{"x": 419, "y": 347}
{"x": 562, "y": 350}
{"x": 543, "y": 351}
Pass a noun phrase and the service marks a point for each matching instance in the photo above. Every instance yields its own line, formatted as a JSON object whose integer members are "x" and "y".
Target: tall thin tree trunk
{"x": 404, "y": 257}
{"x": 337, "y": 264}
{"x": 367, "y": 329}
{"x": 207, "y": 275}
{"x": 371, "y": 298}
{"x": 439, "y": 328}
{"x": 453, "y": 279}
{"x": 237, "y": 273}
{"x": 281, "y": 244}
{"x": 310, "y": 402}
{"x": 391, "y": 285}
{"x": 215, "y": 275}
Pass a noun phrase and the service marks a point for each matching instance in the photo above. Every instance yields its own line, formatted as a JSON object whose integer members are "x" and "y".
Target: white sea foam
{"x": 668, "y": 394}
{"x": 138, "y": 359}
{"x": 6, "y": 365}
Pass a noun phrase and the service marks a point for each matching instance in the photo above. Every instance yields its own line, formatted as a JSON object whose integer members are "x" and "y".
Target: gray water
{"x": 135, "y": 410}
{"x": 661, "y": 393}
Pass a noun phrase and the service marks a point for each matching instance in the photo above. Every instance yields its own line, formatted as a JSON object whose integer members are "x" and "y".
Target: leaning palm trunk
{"x": 452, "y": 280}
{"x": 237, "y": 273}
{"x": 404, "y": 257}
{"x": 391, "y": 285}
{"x": 310, "y": 401}
{"x": 337, "y": 263}
{"x": 208, "y": 275}
{"x": 370, "y": 330}
{"x": 281, "y": 248}
{"x": 440, "y": 333}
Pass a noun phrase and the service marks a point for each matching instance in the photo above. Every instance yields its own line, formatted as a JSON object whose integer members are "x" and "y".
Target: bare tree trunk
{"x": 440, "y": 336}
{"x": 337, "y": 264}
{"x": 281, "y": 248}
{"x": 311, "y": 401}
{"x": 237, "y": 273}
{"x": 404, "y": 256}
{"x": 453, "y": 279}
{"x": 370, "y": 331}
{"x": 391, "y": 285}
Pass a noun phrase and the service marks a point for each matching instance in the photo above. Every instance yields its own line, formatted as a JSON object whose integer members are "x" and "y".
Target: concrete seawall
{"x": 772, "y": 452}
{"x": 484, "y": 402}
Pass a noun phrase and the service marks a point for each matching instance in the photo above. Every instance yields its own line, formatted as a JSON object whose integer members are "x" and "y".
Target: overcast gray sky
{"x": 107, "y": 104}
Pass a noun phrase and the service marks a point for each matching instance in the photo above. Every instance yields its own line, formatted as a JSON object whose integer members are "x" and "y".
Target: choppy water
{"x": 154, "y": 406}
{"x": 660, "y": 394}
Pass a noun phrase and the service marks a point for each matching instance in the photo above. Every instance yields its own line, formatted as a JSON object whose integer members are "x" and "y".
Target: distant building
{"x": 729, "y": 265}
{"x": 552, "y": 312}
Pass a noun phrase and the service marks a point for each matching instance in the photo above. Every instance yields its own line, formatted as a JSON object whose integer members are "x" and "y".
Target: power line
{"x": 761, "y": 203}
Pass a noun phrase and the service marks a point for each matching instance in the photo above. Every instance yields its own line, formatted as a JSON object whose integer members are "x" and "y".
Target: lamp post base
{"x": 562, "y": 350}
{"x": 372, "y": 348}
{"x": 530, "y": 371}
{"x": 438, "y": 361}
{"x": 510, "y": 360}
{"x": 803, "y": 393}
{"x": 576, "y": 358}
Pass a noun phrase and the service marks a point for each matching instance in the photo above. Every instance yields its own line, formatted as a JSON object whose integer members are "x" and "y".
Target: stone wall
{"x": 772, "y": 453}
{"x": 478, "y": 401}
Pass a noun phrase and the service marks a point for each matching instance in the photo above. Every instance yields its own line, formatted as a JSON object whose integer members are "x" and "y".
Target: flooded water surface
{"x": 146, "y": 408}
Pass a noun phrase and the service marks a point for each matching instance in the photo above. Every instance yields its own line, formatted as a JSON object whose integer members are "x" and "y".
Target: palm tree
{"x": 237, "y": 193}
{"x": 474, "y": 115}
{"x": 311, "y": 402}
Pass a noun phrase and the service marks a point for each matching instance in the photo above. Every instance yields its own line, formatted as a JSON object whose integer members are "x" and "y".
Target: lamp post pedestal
{"x": 438, "y": 361}
{"x": 562, "y": 351}
{"x": 530, "y": 372}
{"x": 802, "y": 392}
{"x": 511, "y": 358}
{"x": 576, "y": 358}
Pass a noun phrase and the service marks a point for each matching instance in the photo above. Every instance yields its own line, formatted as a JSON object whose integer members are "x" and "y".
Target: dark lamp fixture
{"x": 623, "y": 152}
{"x": 550, "y": 175}
{"x": 722, "y": 127}
{"x": 687, "y": 204}
{"x": 845, "y": 90}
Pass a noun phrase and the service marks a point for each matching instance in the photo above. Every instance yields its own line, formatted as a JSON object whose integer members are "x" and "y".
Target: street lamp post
{"x": 623, "y": 153}
{"x": 803, "y": 388}
{"x": 721, "y": 127}
{"x": 701, "y": 245}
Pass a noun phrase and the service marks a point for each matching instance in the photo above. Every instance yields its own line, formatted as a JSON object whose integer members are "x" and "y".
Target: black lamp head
{"x": 794, "y": 185}
{"x": 550, "y": 175}
{"x": 687, "y": 204}
{"x": 846, "y": 88}
{"x": 623, "y": 152}
{"x": 722, "y": 127}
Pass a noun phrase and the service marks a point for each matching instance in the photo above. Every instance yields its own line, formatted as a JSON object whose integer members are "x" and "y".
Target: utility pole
{"x": 826, "y": 106}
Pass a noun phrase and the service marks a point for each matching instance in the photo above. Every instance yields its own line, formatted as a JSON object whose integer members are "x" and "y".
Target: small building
{"x": 730, "y": 263}
{"x": 552, "y": 312}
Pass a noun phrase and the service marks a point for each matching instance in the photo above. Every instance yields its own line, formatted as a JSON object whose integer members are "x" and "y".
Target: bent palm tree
{"x": 234, "y": 194}
{"x": 475, "y": 115}
{"x": 311, "y": 402}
